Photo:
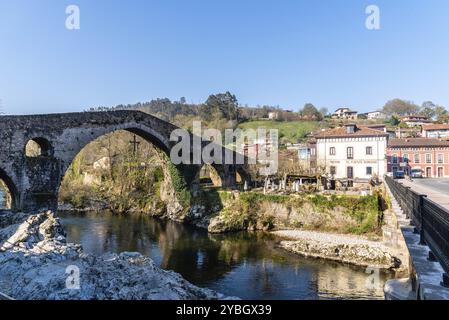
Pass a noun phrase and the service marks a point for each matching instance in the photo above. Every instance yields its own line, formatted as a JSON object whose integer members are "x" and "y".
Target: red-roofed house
{"x": 352, "y": 152}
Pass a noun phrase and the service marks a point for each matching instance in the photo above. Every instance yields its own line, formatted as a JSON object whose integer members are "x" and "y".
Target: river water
{"x": 246, "y": 265}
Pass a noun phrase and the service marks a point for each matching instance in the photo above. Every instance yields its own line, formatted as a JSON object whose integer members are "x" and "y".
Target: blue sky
{"x": 285, "y": 52}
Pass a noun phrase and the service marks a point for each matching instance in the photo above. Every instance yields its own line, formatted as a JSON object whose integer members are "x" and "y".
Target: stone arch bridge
{"x": 34, "y": 182}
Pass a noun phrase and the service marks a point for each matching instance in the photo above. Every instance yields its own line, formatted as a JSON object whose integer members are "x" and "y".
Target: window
{"x": 395, "y": 158}
{"x": 350, "y": 172}
{"x": 440, "y": 158}
{"x": 350, "y": 152}
{"x": 428, "y": 158}
{"x": 333, "y": 170}
{"x": 405, "y": 157}
{"x": 369, "y": 151}
{"x": 416, "y": 158}
{"x": 304, "y": 154}
{"x": 332, "y": 151}
{"x": 369, "y": 171}
{"x": 350, "y": 129}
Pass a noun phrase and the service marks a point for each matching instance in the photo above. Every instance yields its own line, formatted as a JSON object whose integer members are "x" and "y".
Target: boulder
{"x": 36, "y": 263}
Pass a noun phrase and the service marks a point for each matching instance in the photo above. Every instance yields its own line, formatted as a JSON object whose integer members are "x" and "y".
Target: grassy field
{"x": 289, "y": 131}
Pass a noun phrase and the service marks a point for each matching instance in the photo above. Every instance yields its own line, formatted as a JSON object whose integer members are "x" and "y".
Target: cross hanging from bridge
{"x": 135, "y": 144}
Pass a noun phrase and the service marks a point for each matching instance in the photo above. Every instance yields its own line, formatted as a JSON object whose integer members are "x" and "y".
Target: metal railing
{"x": 429, "y": 218}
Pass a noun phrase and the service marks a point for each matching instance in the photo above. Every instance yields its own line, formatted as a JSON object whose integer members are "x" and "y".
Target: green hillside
{"x": 289, "y": 131}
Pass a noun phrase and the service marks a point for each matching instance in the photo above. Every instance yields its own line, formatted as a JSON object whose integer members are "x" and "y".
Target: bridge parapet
{"x": 425, "y": 227}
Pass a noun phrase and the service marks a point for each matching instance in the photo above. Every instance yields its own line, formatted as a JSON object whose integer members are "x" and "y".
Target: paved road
{"x": 436, "y": 190}
{"x": 438, "y": 185}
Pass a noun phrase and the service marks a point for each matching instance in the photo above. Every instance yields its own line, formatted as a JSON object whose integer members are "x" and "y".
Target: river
{"x": 245, "y": 265}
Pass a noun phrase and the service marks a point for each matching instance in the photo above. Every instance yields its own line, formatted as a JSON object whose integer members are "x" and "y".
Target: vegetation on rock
{"x": 342, "y": 214}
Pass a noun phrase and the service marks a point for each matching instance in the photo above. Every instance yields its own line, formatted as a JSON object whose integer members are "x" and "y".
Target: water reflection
{"x": 247, "y": 265}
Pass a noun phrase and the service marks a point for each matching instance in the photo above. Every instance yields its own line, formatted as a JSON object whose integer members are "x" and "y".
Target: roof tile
{"x": 341, "y": 132}
{"x": 417, "y": 142}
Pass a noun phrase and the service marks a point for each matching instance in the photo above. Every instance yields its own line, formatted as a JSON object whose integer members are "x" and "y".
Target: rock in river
{"x": 37, "y": 263}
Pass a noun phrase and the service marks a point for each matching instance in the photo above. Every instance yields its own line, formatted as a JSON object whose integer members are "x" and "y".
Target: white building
{"x": 374, "y": 115}
{"x": 344, "y": 113}
{"x": 352, "y": 152}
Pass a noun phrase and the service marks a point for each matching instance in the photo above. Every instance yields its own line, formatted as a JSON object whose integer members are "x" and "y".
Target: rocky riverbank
{"x": 37, "y": 263}
{"x": 348, "y": 249}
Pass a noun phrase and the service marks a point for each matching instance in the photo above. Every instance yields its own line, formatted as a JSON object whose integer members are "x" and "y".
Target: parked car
{"x": 416, "y": 173}
{"x": 399, "y": 175}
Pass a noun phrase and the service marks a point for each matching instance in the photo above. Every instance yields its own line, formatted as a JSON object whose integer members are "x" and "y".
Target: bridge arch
{"x": 38, "y": 147}
{"x": 160, "y": 153}
{"x": 11, "y": 188}
{"x": 209, "y": 175}
{"x": 70, "y": 145}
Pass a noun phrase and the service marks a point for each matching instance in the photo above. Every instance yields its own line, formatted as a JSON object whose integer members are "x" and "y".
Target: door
{"x": 429, "y": 172}
{"x": 350, "y": 172}
{"x": 440, "y": 172}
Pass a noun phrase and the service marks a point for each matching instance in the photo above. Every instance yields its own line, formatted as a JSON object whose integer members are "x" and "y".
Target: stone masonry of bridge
{"x": 34, "y": 181}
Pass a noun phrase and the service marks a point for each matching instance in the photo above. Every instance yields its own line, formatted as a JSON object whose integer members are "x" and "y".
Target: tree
{"x": 441, "y": 114}
{"x": 428, "y": 109}
{"x": 222, "y": 105}
{"x": 394, "y": 120}
{"x": 403, "y": 125}
{"x": 309, "y": 111}
{"x": 400, "y": 107}
{"x": 324, "y": 111}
